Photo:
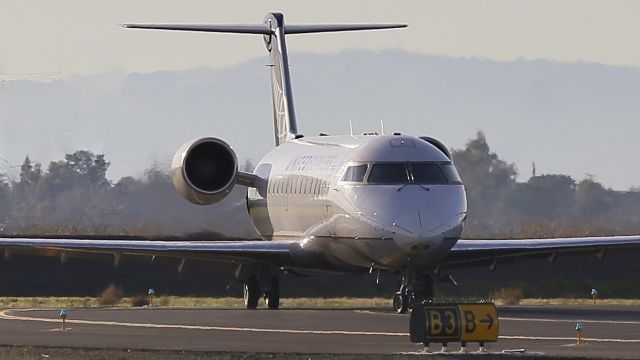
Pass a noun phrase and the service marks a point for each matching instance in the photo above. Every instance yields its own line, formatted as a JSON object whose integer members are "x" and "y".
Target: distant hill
{"x": 573, "y": 118}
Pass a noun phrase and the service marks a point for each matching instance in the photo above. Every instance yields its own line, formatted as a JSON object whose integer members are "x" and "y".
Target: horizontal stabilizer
{"x": 237, "y": 29}
{"x": 262, "y": 29}
{"x": 307, "y": 29}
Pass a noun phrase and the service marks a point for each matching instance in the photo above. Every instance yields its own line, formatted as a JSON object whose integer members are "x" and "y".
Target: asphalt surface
{"x": 610, "y": 332}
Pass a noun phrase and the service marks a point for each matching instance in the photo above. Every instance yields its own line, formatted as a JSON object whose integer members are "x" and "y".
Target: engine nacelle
{"x": 435, "y": 142}
{"x": 204, "y": 171}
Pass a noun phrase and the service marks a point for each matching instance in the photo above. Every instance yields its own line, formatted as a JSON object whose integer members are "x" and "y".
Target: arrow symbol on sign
{"x": 488, "y": 320}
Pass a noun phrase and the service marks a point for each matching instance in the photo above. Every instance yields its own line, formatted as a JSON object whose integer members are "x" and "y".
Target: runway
{"x": 612, "y": 332}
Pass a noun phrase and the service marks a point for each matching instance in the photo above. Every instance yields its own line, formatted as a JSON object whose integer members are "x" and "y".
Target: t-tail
{"x": 274, "y": 30}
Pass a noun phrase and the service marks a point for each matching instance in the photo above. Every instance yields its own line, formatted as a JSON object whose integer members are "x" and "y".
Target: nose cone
{"x": 426, "y": 221}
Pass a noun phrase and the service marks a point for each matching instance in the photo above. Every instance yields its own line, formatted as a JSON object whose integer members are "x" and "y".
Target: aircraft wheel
{"x": 251, "y": 293}
{"x": 273, "y": 296}
{"x": 400, "y": 303}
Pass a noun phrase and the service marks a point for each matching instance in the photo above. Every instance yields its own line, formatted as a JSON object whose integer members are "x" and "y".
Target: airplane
{"x": 327, "y": 204}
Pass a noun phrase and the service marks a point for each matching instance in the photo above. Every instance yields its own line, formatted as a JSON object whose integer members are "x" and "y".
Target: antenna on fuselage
{"x": 381, "y": 127}
{"x": 350, "y": 128}
{"x": 273, "y": 30}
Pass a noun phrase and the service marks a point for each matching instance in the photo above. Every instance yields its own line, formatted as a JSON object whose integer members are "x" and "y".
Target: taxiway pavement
{"x": 609, "y": 332}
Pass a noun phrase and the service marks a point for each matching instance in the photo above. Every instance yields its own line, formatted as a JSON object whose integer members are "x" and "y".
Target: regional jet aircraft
{"x": 327, "y": 204}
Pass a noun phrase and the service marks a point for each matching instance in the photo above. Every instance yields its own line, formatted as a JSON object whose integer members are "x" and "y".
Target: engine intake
{"x": 204, "y": 171}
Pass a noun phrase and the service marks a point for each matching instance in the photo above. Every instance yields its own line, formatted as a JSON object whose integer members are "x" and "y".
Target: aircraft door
{"x": 257, "y": 202}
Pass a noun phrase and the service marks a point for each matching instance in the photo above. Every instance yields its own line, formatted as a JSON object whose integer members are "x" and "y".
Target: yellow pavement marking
{"x": 4, "y": 314}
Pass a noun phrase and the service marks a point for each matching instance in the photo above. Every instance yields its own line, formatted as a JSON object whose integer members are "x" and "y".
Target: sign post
{"x": 463, "y": 323}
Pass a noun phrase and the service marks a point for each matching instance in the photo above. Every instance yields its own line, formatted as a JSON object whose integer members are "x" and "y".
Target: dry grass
{"x": 291, "y": 303}
{"x": 39, "y": 302}
{"x": 196, "y": 302}
{"x": 508, "y": 296}
{"x": 567, "y": 301}
{"x": 228, "y": 302}
{"x": 110, "y": 296}
{"x": 139, "y": 301}
{"x": 534, "y": 229}
{"x": 163, "y": 301}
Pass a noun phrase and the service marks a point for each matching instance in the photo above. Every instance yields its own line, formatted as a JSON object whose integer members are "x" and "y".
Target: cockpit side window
{"x": 390, "y": 173}
{"x": 451, "y": 173}
{"x": 429, "y": 174}
{"x": 355, "y": 173}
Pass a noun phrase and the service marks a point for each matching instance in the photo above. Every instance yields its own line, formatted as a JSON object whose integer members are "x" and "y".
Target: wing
{"x": 476, "y": 252}
{"x": 279, "y": 253}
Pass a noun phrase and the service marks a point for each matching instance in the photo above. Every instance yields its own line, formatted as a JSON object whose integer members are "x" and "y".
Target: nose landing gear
{"x": 401, "y": 301}
{"x": 415, "y": 288}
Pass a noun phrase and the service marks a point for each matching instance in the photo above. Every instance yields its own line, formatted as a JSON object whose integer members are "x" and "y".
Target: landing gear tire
{"x": 251, "y": 293}
{"x": 273, "y": 296}
{"x": 400, "y": 303}
{"x": 416, "y": 289}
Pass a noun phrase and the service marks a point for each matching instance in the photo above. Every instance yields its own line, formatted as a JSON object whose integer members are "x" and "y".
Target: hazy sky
{"x": 83, "y": 37}
{"x": 55, "y": 39}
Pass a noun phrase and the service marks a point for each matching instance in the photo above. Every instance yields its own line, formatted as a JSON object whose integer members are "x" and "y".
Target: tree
{"x": 89, "y": 165}
{"x": 5, "y": 200}
{"x": 545, "y": 197}
{"x": 487, "y": 178}
{"x": 592, "y": 201}
{"x": 248, "y": 166}
{"x": 30, "y": 173}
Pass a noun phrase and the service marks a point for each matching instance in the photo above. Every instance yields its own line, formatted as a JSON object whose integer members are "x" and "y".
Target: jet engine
{"x": 204, "y": 171}
{"x": 435, "y": 142}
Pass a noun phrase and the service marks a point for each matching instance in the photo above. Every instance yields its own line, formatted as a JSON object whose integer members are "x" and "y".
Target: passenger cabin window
{"x": 429, "y": 174}
{"x": 296, "y": 185}
{"x": 355, "y": 173}
{"x": 309, "y": 186}
{"x": 388, "y": 174}
{"x": 289, "y": 188}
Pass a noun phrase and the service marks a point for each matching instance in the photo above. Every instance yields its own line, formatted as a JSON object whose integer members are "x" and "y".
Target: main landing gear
{"x": 415, "y": 288}
{"x": 267, "y": 287}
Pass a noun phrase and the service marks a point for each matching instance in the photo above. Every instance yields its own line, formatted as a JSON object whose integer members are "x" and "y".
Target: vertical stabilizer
{"x": 284, "y": 114}
{"x": 273, "y": 31}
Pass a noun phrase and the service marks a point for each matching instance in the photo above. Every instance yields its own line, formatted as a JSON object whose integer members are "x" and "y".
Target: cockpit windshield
{"x": 400, "y": 173}
{"x": 388, "y": 173}
{"x": 430, "y": 174}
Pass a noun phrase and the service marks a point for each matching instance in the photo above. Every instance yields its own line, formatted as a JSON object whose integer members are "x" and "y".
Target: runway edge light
{"x": 446, "y": 323}
{"x": 579, "y": 330}
{"x": 64, "y": 313}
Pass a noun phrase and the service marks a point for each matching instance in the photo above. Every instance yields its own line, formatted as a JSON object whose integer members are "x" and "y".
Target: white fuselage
{"x": 349, "y": 198}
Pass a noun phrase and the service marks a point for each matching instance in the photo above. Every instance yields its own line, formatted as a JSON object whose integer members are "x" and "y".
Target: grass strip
{"x": 233, "y": 302}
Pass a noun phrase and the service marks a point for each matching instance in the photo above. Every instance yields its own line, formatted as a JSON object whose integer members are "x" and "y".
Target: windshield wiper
{"x": 412, "y": 183}
{"x": 424, "y": 187}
